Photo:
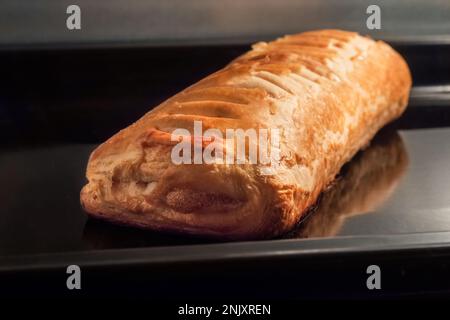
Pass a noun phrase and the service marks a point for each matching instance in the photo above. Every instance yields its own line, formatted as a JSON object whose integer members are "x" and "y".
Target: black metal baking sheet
{"x": 390, "y": 188}
{"x": 56, "y": 106}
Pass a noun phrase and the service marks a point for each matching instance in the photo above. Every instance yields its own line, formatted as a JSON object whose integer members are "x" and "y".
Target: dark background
{"x": 136, "y": 22}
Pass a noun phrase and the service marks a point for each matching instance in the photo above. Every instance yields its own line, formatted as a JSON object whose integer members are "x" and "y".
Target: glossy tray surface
{"x": 51, "y": 120}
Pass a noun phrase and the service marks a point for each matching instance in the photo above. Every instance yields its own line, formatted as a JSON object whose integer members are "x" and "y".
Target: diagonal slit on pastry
{"x": 326, "y": 93}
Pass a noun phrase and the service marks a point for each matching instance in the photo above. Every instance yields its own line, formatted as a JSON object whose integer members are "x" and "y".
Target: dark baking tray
{"x": 390, "y": 205}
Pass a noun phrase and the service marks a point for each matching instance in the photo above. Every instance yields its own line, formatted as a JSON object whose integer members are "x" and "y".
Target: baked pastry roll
{"x": 325, "y": 93}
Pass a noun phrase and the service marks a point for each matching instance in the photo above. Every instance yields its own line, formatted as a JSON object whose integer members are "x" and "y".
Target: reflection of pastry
{"x": 365, "y": 183}
{"x": 327, "y": 92}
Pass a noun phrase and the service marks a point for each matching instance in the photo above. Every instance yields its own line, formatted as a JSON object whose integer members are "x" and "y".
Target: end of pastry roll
{"x": 138, "y": 185}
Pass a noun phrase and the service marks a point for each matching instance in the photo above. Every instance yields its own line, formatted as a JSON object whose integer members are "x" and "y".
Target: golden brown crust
{"x": 327, "y": 91}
